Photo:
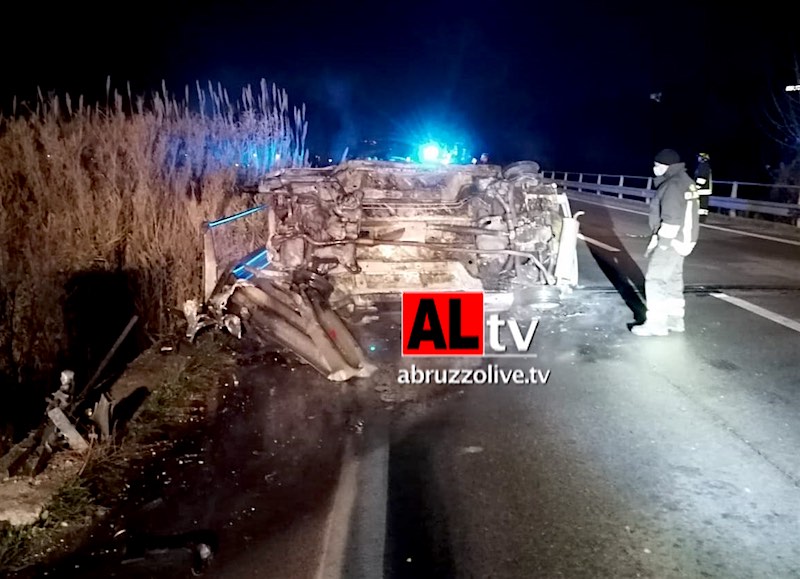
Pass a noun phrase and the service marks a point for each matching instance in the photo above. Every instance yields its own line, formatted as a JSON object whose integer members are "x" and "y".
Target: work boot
{"x": 675, "y": 324}
{"x": 650, "y": 328}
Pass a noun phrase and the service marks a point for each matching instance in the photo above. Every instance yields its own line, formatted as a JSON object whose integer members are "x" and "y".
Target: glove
{"x": 651, "y": 246}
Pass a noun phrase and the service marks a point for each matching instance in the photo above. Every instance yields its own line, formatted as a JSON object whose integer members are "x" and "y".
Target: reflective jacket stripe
{"x": 684, "y": 245}
{"x": 687, "y": 223}
{"x": 668, "y": 231}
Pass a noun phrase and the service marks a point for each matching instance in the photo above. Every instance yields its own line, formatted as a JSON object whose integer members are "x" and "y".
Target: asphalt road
{"x": 640, "y": 457}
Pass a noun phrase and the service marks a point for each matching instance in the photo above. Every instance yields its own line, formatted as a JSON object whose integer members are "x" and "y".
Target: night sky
{"x": 566, "y": 83}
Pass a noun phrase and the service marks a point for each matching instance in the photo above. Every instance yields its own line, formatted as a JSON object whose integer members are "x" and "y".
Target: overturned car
{"x": 375, "y": 229}
{"x": 366, "y": 231}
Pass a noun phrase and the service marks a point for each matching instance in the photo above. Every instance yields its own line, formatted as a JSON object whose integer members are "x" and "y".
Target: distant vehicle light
{"x": 793, "y": 88}
{"x": 430, "y": 153}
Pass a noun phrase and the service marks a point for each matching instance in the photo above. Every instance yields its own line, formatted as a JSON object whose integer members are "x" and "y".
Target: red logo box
{"x": 443, "y": 323}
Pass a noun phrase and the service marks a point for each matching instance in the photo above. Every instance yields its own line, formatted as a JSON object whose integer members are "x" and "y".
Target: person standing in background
{"x": 702, "y": 176}
{"x": 674, "y": 226}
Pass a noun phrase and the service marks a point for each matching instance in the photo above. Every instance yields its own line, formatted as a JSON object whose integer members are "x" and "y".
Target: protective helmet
{"x": 704, "y": 156}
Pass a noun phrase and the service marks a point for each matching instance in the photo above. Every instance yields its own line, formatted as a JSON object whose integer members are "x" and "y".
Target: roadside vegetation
{"x": 102, "y": 206}
{"x": 101, "y": 209}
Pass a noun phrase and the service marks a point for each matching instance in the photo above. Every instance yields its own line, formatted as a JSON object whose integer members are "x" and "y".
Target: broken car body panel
{"x": 379, "y": 228}
{"x": 364, "y": 232}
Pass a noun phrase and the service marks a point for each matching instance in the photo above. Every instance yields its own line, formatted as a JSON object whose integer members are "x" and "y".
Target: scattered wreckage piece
{"x": 295, "y": 316}
{"x": 63, "y": 425}
{"x": 30, "y": 456}
{"x": 10, "y": 461}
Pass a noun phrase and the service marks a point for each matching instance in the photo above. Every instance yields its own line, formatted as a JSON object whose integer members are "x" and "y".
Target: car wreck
{"x": 340, "y": 239}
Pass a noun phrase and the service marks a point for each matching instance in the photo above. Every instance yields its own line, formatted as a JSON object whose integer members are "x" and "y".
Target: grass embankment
{"x": 121, "y": 191}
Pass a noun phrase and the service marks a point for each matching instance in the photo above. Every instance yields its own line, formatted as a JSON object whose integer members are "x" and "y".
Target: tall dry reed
{"x": 123, "y": 187}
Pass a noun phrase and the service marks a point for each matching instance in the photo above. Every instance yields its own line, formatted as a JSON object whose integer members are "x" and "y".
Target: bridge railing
{"x": 736, "y": 198}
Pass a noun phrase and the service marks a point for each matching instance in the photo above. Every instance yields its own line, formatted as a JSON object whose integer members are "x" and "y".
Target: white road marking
{"x": 337, "y": 528}
{"x": 597, "y": 243}
{"x": 612, "y": 207}
{"x": 367, "y": 543}
{"x": 715, "y": 227}
{"x": 758, "y": 310}
{"x": 749, "y": 234}
{"x": 359, "y": 503}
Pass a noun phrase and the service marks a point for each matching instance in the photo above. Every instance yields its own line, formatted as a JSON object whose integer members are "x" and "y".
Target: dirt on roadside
{"x": 235, "y": 445}
{"x": 58, "y": 510}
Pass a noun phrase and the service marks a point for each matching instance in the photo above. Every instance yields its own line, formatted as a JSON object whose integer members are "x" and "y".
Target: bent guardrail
{"x": 258, "y": 259}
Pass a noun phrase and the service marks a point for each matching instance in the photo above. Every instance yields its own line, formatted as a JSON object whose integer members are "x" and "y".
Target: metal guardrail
{"x": 641, "y": 189}
{"x": 257, "y": 259}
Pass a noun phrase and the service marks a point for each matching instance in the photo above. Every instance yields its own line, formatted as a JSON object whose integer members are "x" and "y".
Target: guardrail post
{"x": 599, "y": 182}
{"x": 580, "y": 180}
{"x": 734, "y": 195}
{"x": 209, "y": 262}
{"x": 566, "y": 175}
{"x": 649, "y": 188}
{"x": 797, "y": 221}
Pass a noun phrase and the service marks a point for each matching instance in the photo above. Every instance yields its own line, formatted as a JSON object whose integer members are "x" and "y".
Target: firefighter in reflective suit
{"x": 674, "y": 221}
{"x": 702, "y": 176}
